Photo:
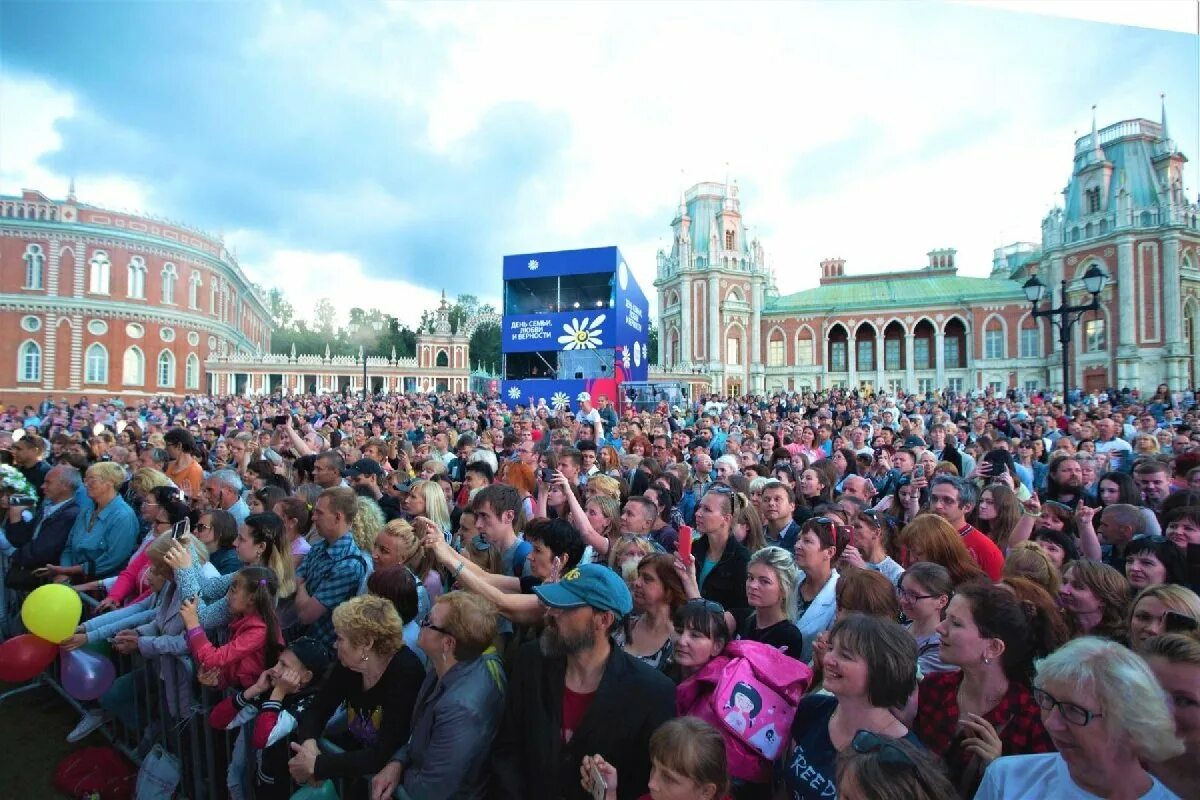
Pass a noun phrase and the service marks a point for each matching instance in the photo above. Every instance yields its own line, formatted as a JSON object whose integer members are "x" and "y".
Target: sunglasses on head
{"x": 865, "y": 742}
{"x": 707, "y": 605}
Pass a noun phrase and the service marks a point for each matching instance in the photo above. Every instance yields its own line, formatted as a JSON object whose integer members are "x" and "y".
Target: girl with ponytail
{"x": 254, "y": 636}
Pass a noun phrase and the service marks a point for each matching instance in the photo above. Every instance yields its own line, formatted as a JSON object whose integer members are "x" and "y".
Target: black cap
{"x": 364, "y": 466}
{"x": 314, "y": 655}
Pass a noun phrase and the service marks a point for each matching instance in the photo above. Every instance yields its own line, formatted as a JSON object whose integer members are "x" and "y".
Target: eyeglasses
{"x": 200, "y": 526}
{"x": 865, "y": 742}
{"x": 1072, "y": 713}
{"x": 427, "y": 623}
{"x": 904, "y": 594}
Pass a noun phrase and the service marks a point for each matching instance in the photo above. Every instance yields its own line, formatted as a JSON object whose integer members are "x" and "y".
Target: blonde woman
{"x": 1161, "y": 609}
{"x": 625, "y": 555}
{"x": 368, "y": 522}
{"x": 771, "y": 584}
{"x": 398, "y": 545}
{"x": 426, "y": 499}
{"x": 1175, "y": 660}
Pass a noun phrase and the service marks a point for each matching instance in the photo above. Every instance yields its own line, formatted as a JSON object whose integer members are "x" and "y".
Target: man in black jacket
{"x": 39, "y": 540}
{"x": 573, "y": 694}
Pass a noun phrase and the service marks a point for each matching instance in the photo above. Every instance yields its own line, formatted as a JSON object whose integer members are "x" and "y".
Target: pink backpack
{"x": 749, "y": 693}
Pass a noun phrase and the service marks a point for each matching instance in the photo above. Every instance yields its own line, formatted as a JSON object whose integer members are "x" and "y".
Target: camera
{"x": 547, "y": 475}
{"x": 22, "y": 500}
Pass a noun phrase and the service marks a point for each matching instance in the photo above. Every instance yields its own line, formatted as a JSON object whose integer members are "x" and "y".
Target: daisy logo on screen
{"x": 560, "y": 401}
{"x": 533, "y": 265}
{"x": 582, "y": 336}
{"x": 514, "y": 392}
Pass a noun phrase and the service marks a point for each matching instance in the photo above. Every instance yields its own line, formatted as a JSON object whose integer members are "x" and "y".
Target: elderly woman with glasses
{"x": 1107, "y": 717}
{"x": 719, "y": 564}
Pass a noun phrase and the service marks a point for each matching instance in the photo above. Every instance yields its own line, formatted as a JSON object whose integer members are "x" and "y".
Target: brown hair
{"x": 1111, "y": 589}
{"x": 940, "y": 543}
{"x": 868, "y": 592}
{"x": 471, "y": 620}
{"x": 1048, "y": 627}
{"x": 1029, "y": 560}
{"x": 889, "y": 650}
{"x": 663, "y": 566}
{"x": 342, "y": 501}
{"x": 692, "y": 749}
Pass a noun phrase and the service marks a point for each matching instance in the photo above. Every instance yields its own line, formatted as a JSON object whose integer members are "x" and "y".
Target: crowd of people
{"x": 801, "y": 596}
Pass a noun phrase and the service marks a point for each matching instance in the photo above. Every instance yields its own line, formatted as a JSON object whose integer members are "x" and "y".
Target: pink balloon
{"x": 86, "y": 675}
{"x": 24, "y": 657}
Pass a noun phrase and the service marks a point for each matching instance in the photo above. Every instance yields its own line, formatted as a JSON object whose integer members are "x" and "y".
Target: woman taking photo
{"x": 818, "y": 548}
{"x": 377, "y": 678}
{"x": 924, "y": 592}
{"x": 217, "y": 530}
{"x": 1148, "y": 615}
{"x": 1096, "y": 599}
{"x": 457, "y": 709}
{"x": 771, "y": 584}
{"x": 870, "y": 669}
{"x": 986, "y": 709}
{"x": 648, "y": 633}
{"x": 1175, "y": 661}
{"x": 719, "y": 562}
{"x": 1106, "y": 715}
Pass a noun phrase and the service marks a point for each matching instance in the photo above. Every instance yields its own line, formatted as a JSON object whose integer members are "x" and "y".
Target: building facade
{"x": 723, "y": 322}
{"x": 99, "y": 302}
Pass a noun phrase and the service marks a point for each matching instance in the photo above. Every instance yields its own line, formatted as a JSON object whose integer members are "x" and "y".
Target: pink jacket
{"x": 131, "y": 584}
{"x": 242, "y": 660}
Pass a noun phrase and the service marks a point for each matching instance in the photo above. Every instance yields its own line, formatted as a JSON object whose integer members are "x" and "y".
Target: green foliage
{"x": 652, "y": 344}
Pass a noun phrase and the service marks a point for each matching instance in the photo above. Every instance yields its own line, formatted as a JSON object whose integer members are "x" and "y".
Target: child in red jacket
{"x": 254, "y": 637}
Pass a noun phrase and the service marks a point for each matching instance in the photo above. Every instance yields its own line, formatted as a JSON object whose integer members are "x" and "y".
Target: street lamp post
{"x": 363, "y": 358}
{"x": 1066, "y": 315}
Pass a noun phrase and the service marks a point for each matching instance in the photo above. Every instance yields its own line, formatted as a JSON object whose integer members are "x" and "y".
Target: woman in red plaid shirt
{"x": 984, "y": 710}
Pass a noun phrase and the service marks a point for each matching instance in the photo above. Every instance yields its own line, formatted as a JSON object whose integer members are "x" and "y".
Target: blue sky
{"x": 378, "y": 153}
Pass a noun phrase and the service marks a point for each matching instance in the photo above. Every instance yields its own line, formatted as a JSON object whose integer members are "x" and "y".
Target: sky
{"x": 379, "y": 153}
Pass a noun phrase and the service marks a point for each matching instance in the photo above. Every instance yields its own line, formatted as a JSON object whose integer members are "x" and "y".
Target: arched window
{"x": 993, "y": 339}
{"x": 776, "y": 349}
{"x": 166, "y": 368}
{"x": 212, "y": 295}
{"x": 137, "y": 277}
{"x": 35, "y": 260}
{"x": 95, "y": 368}
{"x": 191, "y": 372}
{"x": 728, "y": 240}
{"x": 169, "y": 276}
{"x": 134, "y": 368}
{"x": 101, "y": 269}
{"x": 194, "y": 290}
{"x": 29, "y": 365}
{"x": 443, "y": 360}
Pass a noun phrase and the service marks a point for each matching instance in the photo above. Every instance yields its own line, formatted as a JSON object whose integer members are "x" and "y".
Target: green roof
{"x": 912, "y": 290}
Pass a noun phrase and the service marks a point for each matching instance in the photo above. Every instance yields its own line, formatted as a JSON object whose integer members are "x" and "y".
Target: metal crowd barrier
{"x": 204, "y": 753}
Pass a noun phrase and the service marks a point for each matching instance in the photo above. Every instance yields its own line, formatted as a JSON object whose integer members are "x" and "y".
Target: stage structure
{"x": 574, "y": 321}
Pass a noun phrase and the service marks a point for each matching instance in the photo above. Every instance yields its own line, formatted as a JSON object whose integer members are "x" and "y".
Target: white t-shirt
{"x": 590, "y": 418}
{"x": 1042, "y": 775}
{"x": 1117, "y": 449}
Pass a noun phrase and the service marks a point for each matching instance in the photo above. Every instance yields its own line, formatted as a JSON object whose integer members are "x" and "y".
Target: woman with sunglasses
{"x": 821, "y": 542}
{"x": 1107, "y": 717}
{"x": 218, "y": 531}
{"x": 1175, "y": 660}
{"x": 458, "y": 707}
{"x": 869, "y": 669}
{"x": 719, "y": 562}
{"x": 866, "y": 549}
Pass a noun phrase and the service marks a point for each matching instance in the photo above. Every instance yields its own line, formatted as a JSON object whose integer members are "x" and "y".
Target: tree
{"x": 281, "y": 310}
{"x": 485, "y": 346}
{"x": 325, "y": 315}
{"x": 652, "y": 344}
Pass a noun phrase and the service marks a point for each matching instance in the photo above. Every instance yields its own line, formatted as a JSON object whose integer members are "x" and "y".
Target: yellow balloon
{"x": 52, "y": 612}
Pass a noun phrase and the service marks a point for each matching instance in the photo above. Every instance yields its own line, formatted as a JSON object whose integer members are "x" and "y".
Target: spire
{"x": 1095, "y": 136}
{"x": 1163, "y": 98}
{"x": 71, "y": 185}
{"x": 682, "y": 196}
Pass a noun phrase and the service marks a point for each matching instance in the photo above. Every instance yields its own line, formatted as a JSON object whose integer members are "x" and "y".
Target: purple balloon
{"x": 86, "y": 675}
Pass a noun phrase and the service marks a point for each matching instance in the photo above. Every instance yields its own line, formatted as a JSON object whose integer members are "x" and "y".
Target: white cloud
{"x": 31, "y": 109}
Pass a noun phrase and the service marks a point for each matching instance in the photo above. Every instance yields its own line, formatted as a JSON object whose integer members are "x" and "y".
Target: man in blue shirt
{"x": 105, "y": 532}
{"x": 334, "y": 570}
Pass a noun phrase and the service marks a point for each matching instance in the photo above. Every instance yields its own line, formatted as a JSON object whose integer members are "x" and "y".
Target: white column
{"x": 910, "y": 377}
{"x": 852, "y": 362}
{"x": 880, "y": 346}
{"x": 939, "y": 357}
{"x": 755, "y": 361}
{"x": 1053, "y": 281}
{"x": 1172, "y": 312}
{"x": 714, "y": 320}
{"x": 687, "y": 347}
{"x": 1127, "y": 351}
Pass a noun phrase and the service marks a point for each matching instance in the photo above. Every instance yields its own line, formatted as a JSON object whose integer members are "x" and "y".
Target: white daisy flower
{"x": 626, "y": 357}
{"x": 514, "y": 392}
{"x": 533, "y": 265}
{"x": 560, "y": 401}
{"x": 585, "y": 336}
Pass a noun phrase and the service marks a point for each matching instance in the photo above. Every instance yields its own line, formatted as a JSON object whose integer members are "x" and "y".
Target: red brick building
{"x": 101, "y": 303}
